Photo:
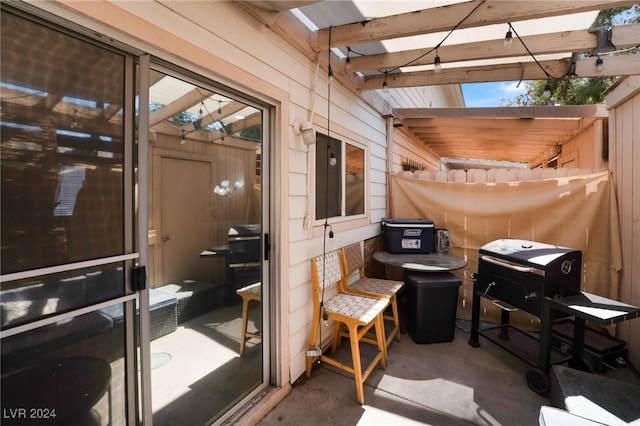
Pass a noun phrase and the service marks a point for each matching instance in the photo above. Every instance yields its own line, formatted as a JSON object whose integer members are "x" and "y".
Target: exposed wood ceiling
{"x": 496, "y": 133}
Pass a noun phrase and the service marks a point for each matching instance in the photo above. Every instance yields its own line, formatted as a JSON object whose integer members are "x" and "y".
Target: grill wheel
{"x": 538, "y": 381}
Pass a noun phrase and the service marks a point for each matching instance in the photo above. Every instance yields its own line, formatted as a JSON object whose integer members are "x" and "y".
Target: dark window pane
{"x": 62, "y": 147}
{"x": 72, "y": 371}
{"x": 328, "y": 177}
{"x": 31, "y": 299}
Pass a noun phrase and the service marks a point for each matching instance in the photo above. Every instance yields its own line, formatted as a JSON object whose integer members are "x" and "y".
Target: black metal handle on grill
{"x": 512, "y": 266}
{"x": 486, "y": 290}
{"x": 504, "y": 306}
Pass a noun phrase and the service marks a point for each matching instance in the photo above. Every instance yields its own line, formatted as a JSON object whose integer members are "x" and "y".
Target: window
{"x": 340, "y": 188}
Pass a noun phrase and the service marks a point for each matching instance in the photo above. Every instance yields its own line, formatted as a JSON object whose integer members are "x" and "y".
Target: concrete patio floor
{"x": 437, "y": 384}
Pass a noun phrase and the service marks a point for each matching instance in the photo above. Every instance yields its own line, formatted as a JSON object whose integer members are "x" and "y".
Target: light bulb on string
{"x": 385, "y": 87}
{"x": 332, "y": 159}
{"x": 348, "y": 60}
{"x": 508, "y": 39}
{"x": 547, "y": 91}
{"x": 437, "y": 66}
{"x": 599, "y": 64}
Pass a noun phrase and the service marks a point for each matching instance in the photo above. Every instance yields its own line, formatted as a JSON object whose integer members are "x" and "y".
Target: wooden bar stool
{"x": 358, "y": 314}
{"x": 250, "y": 293}
{"x": 351, "y": 260}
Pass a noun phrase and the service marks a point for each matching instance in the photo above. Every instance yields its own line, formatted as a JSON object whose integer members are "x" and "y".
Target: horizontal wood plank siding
{"x": 624, "y": 161}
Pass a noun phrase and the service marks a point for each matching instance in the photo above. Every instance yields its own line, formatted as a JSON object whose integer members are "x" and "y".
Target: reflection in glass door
{"x": 65, "y": 299}
{"x": 205, "y": 274}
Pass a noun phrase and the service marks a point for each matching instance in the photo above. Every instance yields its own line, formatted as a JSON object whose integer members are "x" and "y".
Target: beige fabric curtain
{"x": 579, "y": 212}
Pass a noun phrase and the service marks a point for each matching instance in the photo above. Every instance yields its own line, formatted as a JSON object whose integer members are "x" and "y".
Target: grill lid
{"x": 525, "y": 252}
{"x": 241, "y": 232}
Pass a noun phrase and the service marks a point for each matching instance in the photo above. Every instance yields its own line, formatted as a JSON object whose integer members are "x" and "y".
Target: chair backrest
{"x": 354, "y": 259}
{"x": 329, "y": 263}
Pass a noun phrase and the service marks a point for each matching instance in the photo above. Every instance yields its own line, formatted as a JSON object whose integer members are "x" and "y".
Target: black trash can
{"x": 432, "y": 300}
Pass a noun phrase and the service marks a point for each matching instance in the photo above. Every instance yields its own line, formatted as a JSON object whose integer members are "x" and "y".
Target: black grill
{"x": 243, "y": 257}
{"x": 244, "y": 245}
{"x": 522, "y": 273}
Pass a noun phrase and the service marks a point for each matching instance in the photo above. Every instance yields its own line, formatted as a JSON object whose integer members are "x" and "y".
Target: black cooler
{"x": 407, "y": 236}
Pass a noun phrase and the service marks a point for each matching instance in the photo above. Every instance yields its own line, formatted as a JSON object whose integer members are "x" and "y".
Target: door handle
{"x": 165, "y": 237}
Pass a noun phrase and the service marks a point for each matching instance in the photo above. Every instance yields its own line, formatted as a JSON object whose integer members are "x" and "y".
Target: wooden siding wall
{"x": 405, "y": 148}
{"x": 224, "y": 43}
{"x": 586, "y": 149}
{"x": 624, "y": 162}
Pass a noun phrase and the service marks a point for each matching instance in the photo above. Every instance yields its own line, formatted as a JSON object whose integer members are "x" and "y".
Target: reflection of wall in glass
{"x": 354, "y": 180}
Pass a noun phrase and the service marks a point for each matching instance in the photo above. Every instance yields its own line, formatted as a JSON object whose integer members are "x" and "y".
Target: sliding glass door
{"x": 207, "y": 266}
{"x": 134, "y": 255}
{"x": 67, "y": 253}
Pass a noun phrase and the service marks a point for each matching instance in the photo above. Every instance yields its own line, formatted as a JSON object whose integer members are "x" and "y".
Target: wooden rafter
{"x": 616, "y": 65}
{"x": 559, "y": 42}
{"x": 444, "y": 18}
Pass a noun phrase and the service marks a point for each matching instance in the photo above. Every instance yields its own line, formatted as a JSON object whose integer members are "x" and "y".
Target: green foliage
{"x": 618, "y": 16}
{"x": 579, "y": 91}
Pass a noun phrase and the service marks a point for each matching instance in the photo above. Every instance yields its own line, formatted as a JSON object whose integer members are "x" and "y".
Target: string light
{"x": 385, "y": 87}
{"x": 332, "y": 159}
{"x": 508, "y": 38}
{"x": 437, "y": 67}
{"x": 547, "y": 91}
{"x": 599, "y": 64}
{"x": 348, "y": 60}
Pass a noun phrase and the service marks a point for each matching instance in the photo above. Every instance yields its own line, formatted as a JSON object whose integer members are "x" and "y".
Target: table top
{"x": 595, "y": 308}
{"x": 431, "y": 262}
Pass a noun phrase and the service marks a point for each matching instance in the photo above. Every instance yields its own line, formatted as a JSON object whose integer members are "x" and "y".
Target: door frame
{"x": 270, "y": 313}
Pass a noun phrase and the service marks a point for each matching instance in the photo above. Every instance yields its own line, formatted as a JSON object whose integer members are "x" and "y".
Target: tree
{"x": 579, "y": 91}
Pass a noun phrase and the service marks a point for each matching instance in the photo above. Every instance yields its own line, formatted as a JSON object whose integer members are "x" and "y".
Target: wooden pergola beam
{"x": 564, "y": 111}
{"x": 623, "y": 36}
{"x": 527, "y": 124}
{"x": 615, "y": 65}
{"x": 444, "y": 18}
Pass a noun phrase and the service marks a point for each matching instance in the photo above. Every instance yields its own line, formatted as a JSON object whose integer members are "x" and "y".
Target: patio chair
{"x": 351, "y": 260}
{"x": 358, "y": 314}
{"x": 250, "y": 293}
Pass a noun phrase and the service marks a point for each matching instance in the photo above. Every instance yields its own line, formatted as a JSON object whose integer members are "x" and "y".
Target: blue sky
{"x": 490, "y": 94}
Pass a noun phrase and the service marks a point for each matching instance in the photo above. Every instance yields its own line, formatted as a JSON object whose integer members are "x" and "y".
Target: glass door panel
{"x": 65, "y": 255}
{"x": 205, "y": 256}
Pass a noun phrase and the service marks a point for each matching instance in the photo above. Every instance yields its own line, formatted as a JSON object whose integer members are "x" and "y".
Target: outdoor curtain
{"x": 578, "y": 212}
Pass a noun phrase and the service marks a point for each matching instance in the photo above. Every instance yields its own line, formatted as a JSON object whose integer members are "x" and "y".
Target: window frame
{"x": 342, "y": 217}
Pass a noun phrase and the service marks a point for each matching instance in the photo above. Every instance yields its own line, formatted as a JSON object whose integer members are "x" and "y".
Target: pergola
{"x": 398, "y": 51}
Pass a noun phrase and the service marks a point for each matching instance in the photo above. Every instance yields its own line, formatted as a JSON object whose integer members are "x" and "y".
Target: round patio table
{"x": 431, "y": 262}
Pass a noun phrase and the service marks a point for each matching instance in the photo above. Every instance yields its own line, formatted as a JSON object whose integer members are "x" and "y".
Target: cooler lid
{"x": 413, "y": 223}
